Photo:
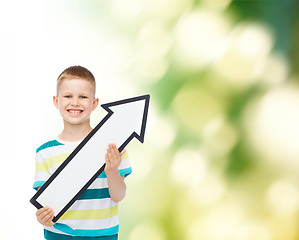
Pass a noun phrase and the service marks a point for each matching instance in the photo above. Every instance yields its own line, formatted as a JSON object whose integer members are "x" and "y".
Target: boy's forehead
{"x": 74, "y": 82}
{"x": 77, "y": 84}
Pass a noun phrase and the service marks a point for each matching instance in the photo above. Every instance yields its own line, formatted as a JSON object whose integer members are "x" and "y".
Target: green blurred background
{"x": 221, "y": 155}
{"x": 220, "y": 161}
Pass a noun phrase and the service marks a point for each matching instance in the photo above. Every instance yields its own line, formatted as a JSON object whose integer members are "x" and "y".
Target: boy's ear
{"x": 95, "y": 104}
{"x": 55, "y": 101}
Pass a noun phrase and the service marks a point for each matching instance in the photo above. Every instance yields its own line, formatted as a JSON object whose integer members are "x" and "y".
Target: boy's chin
{"x": 75, "y": 121}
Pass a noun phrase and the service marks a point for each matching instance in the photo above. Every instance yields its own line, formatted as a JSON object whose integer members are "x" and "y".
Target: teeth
{"x": 74, "y": 111}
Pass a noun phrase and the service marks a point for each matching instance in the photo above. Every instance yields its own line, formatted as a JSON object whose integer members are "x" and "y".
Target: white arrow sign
{"x": 125, "y": 120}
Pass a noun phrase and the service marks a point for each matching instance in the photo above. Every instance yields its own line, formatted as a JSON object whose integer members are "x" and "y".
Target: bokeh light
{"x": 275, "y": 122}
{"x": 198, "y": 35}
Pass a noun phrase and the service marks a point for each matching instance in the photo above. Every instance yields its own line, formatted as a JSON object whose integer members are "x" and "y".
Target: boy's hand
{"x": 45, "y": 216}
{"x": 112, "y": 158}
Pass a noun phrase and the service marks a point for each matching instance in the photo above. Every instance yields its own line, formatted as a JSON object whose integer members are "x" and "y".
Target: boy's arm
{"x": 116, "y": 184}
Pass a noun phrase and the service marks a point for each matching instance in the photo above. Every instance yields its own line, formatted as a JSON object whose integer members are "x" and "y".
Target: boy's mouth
{"x": 75, "y": 112}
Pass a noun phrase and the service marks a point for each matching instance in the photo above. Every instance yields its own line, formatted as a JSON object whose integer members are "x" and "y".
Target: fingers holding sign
{"x": 113, "y": 158}
{"x": 45, "y": 216}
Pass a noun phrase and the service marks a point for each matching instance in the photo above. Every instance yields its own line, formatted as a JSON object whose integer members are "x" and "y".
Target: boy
{"x": 94, "y": 215}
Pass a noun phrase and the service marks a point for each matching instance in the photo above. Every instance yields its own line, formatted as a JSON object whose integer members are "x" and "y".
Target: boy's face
{"x": 75, "y": 101}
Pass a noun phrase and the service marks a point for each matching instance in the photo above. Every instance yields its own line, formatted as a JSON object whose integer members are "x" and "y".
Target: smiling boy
{"x": 95, "y": 214}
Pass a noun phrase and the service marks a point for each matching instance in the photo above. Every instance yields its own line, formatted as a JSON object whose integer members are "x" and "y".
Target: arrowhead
{"x": 133, "y": 114}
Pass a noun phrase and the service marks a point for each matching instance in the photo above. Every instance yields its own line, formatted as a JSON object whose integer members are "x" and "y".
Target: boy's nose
{"x": 75, "y": 102}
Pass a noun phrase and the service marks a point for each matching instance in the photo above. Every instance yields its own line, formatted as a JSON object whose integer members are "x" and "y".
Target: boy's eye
{"x": 67, "y": 96}
{"x": 83, "y": 97}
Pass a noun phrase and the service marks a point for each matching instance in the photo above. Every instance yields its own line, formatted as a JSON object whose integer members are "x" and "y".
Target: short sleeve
{"x": 125, "y": 165}
{"x": 42, "y": 173}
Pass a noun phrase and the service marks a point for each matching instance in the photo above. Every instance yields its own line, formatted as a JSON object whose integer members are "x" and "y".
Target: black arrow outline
{"x": 84, "y": 141}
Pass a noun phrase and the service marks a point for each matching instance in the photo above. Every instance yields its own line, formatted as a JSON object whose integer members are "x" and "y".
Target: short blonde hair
{"x": 76, "y": 72}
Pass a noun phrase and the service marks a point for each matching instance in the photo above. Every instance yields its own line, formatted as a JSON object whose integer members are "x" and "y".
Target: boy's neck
{"x": 75, "y": 132}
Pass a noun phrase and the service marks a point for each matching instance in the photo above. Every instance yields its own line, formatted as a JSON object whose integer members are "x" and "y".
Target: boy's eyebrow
{"x": 80, "y": 93}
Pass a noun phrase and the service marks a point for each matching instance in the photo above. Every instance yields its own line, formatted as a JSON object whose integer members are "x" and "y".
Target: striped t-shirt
{"x": 94, "y": 213}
